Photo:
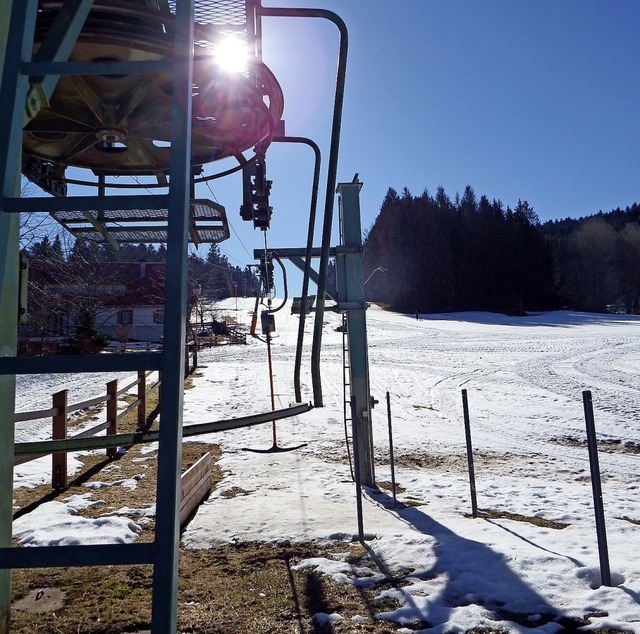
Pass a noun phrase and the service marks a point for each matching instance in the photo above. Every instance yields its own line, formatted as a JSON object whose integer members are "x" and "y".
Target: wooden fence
{"x": 61, "y": 410}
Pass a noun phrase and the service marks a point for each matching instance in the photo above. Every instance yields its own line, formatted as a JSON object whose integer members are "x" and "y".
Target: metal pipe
{"x": 79, "y": 442}
{"x": 356, "y": 460}
{"x": 271, "y": 390}
{"x": 467, "y": 434}
{"x": 331, "y": 177}
{"x": 596, "y": 485}
{"x": 308, "y": 256}
{"x": 391, "y": 457}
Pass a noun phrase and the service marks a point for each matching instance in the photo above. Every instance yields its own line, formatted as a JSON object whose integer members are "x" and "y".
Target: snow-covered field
{"x": 524, "y": 378}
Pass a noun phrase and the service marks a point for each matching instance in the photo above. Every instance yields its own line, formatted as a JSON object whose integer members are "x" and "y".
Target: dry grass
{"x": 223, "y": 590}
{"x": 230, "y": 589}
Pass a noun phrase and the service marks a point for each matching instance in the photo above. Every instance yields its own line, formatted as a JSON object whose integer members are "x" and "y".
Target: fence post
{"x": 596, "y": 485}
{"x": 472, "y": 475}
{"x": 112, "y": 414}
{"x": 391, "y": 456}
{"x": 59, "y": 432}
{"x": 142, "y": 398}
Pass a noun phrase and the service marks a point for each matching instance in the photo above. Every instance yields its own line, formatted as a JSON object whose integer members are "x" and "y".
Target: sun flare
{"x": 232, "y": 54}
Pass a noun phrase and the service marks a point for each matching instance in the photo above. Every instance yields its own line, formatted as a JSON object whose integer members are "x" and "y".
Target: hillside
{"x": 531, "y": 559}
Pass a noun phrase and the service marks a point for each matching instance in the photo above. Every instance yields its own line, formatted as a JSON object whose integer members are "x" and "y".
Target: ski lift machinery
{"x": 122, "y": 95}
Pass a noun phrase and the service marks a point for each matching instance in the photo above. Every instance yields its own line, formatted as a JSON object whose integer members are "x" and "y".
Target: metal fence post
{"x": 596, "y": 485}
{"x": 59, "y": 432}
{"x": 112, "y": 414}
{"x": 472, "y": 475}
{"x": 391, "y": 457}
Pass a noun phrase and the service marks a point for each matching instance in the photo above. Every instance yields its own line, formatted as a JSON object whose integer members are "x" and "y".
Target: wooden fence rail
{"x": 60, "y": 411}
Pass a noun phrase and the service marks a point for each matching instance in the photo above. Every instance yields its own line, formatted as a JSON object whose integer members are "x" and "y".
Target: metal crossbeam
{"x": 44, "y": 447}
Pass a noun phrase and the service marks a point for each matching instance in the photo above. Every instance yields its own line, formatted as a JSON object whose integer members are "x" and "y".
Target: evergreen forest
{"x": 430, "y": 253}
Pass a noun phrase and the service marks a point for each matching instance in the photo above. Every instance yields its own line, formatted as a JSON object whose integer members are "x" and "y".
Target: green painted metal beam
{"x": 165, "y": 571}
{"x": 351, "y": 300}
{"x": 45, "y": 447}
{"x": 293, "y": 252}
{"x": 56, "y": 46}
{"x": 85, "y": 203}
{"x": 16, "y": 38}
{"x": 90, "y": 555}
{"x": 95, "y": 68}
{"x": 130, "y": 362}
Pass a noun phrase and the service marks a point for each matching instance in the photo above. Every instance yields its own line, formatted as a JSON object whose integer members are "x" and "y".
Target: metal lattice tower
{"x": 63, "y": 85}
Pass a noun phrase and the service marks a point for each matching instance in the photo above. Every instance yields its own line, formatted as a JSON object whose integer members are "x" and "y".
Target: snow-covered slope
{"x": 524, "y": 378}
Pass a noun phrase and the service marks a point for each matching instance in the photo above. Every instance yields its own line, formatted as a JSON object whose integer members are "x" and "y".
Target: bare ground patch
{"x": 448, "y": 463}
{"x": 608, "y": 445}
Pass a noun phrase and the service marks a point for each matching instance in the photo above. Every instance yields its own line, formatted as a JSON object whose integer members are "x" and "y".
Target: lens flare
{"x": 232, "y": 54}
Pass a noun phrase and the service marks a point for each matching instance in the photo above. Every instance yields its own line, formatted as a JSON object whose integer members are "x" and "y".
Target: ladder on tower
{"x": 346, "y": 382}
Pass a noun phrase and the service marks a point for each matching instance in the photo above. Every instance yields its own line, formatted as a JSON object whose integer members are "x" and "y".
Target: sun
{"x": 232, "y": 54}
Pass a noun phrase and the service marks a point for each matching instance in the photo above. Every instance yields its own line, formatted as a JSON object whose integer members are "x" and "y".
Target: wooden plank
{"x": 89, "y": 433}
{"x": 88, "y": 403}
{"x": 195, "y": 486}
{"x": 195, "y": 473}
{"x": 190, "y": 504}
{"x": 41, "y": 413}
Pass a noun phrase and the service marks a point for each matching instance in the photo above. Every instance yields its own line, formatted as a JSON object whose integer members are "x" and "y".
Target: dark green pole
{"x": 596, "y": 485}
{"x": 307, "y": 261}
{"x": 467, "y": 434}
{"x": 16, "y": 39}
{"x": 165, "y": 573}
{"x": 332, "y": 172}
{"x": 351, "y": 301}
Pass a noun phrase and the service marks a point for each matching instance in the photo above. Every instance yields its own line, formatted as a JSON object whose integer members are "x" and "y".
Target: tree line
{"x": 429, "y": 253}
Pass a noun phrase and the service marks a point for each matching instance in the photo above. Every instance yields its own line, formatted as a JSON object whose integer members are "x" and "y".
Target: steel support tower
{"x": 352, "y": 303}
{"x": 26, "y": 85}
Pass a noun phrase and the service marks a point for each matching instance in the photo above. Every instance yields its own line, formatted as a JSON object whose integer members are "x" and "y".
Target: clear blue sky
{"x": 535, "y": 100}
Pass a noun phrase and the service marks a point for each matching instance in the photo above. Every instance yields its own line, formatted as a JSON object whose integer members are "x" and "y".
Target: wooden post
{"x": 59, "y": 432}
{"x": 142, "y": 398}
{"x": 112, "y": 414}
